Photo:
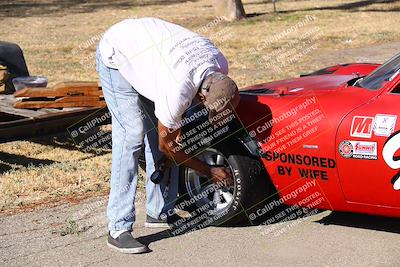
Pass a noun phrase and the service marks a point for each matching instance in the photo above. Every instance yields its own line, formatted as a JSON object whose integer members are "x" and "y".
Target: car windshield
{"x": 381, "y": 75}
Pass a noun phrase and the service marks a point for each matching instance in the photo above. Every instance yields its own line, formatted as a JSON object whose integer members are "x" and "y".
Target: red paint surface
{"x": 357, "y": 185}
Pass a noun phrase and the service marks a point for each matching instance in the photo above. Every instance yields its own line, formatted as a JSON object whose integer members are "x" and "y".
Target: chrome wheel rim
{"x": 208, "y": 197}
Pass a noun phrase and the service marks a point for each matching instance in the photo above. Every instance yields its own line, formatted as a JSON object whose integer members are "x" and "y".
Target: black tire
{"x": 252, "y": 186}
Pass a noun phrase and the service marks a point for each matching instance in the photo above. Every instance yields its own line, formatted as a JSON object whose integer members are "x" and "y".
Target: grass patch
{"x": 71, "y": 227}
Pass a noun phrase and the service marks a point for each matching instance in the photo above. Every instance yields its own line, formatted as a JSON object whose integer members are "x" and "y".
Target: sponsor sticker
{"x": 346, "y": 149}
{"x": 362, "y": 126}
{"x": 389, "y": 152}
{"x": 384, "y": 124}
{"x": 359, "y": 150}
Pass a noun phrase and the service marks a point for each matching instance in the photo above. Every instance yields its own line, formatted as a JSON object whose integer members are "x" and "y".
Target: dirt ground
{"x": 75, "y": 235}
{"x": 59, "y": 39}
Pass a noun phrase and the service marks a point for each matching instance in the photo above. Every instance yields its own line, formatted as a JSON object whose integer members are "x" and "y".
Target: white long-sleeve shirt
{"x": 163, "y": 61}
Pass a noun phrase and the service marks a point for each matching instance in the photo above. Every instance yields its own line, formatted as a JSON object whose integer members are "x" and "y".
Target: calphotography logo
{"x": 362, "y": 126}
{"x": 388, "y": 153}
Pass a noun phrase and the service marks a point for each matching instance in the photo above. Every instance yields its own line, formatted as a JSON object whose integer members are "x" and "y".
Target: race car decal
{"x": 384, "y": 124}
{"x": 380, "y": 125}
{"x": 307, "y": 165}
{"x": 361, "y": 126}
{"x": 358, "y": 150}
{"x": 389, "y": 150}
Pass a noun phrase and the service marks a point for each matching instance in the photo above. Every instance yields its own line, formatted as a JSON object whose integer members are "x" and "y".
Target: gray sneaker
{"x": 163, "y": 222}
{"x": 155, "y": 223}
{"x": 125, "y": 243}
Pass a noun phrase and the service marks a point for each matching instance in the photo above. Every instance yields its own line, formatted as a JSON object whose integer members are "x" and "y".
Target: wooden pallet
{"x": 62, "y": 95}
{"x": 17, "y": 123}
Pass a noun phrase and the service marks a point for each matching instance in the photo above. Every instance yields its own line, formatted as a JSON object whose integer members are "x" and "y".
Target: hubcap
{"x": 209, "y": 197}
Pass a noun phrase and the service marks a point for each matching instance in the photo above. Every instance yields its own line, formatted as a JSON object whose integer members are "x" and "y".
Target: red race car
{"x": 327, "y": 140}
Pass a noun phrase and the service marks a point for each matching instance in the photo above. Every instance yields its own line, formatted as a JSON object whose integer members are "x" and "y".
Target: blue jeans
{"x": 133, "y": 124}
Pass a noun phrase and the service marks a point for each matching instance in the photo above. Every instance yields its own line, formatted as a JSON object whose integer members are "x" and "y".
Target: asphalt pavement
{"x": 76, "y": 234}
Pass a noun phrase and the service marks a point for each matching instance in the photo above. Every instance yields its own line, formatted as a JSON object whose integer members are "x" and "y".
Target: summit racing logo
{"x": 365, "y": 148}
{"x": 389, "y": 150}
{"x": 359, "y": 150}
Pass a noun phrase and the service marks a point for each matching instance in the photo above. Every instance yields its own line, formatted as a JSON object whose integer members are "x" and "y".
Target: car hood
{"x": 317, "y": 84}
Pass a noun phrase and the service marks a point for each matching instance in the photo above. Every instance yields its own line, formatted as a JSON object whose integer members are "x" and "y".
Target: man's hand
{"x": 221, "y": 175}
{"x": 168, "y": 140}
{"x": 216, "y": 174}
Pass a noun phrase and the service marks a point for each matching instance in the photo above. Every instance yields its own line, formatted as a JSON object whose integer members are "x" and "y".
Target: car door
{"x": 367, "y": 142}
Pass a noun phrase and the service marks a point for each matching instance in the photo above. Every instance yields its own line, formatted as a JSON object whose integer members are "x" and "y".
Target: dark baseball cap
{"x": 218, "y": 90}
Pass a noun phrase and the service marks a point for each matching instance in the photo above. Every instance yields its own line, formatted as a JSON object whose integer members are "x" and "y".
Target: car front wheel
{"x": 226, "y": 205}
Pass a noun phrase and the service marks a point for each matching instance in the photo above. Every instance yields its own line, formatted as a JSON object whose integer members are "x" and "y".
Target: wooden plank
{"x": 62, "y": 89}
{"x": 62, "y": 95}
{"x": 68, "y": 101}
{"x": 27, "y": 123}
{"x": 6, "y": 107}
{"x": 65, "y": 99}
{"x": 56, "y": 104}
{"x": 9, "y": 100}
{"x": 52, "y": 110}
{"x": 44, "y": 124}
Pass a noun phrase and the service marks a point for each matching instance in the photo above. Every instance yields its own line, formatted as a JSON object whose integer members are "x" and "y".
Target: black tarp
{"x": 12, "y": 57}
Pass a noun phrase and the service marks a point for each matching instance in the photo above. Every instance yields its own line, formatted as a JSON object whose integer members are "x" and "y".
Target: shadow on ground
{"x": 24, "y": 8}
{"x": 64, "y": 141}
{"x": 362, "y": 221}
{"x": 148, "y": 239}
{"x": 24, "y": 161}
{"x": 60, "y": 140}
